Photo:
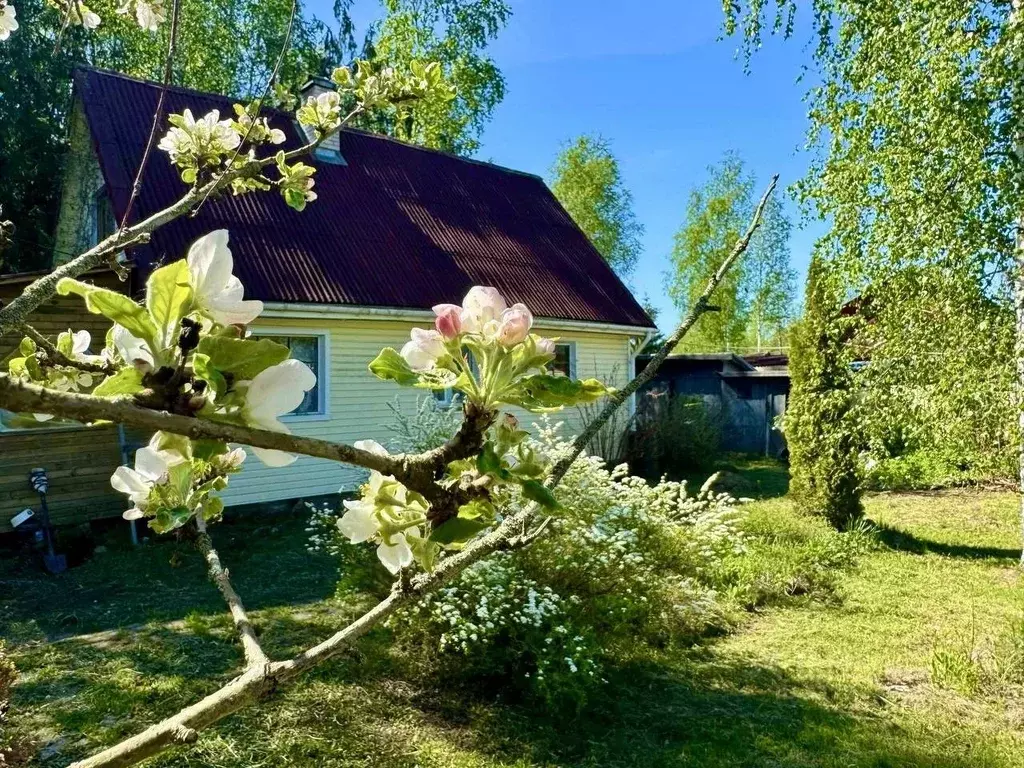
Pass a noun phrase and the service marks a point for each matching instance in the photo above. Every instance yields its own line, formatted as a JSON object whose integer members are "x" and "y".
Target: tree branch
{"x": 184, "y": 726}
{"x": 57, "y": 357}
{"x": 414, "y": 470}
{"x": 700, "y": 307}
{"x": 254, "y": 655}
{"x": 172, "y": 43}
{"x": 16, "y": 313}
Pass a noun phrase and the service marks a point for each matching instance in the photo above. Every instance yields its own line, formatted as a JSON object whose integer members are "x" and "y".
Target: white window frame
{"x": 572, "y": 356}
{"x": 323, "y": 412}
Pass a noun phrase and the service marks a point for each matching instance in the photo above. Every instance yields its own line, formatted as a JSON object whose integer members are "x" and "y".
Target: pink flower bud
{"x": 515, "y": 325}
{"x": 449, "y": 320}
{"x": 546, "y": 346}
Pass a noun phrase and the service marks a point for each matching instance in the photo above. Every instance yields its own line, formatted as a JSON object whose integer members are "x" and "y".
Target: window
{"x": 104, "y": 223}
{"x": 310, "y": 349}
{"x": 564, "y": 363}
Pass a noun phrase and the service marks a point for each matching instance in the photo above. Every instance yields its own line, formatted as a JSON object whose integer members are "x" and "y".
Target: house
{"x": 750, "y": 393}
{"x": 396, "y": 229}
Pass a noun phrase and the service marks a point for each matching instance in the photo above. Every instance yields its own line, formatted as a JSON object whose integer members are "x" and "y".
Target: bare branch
{"x": 254, "y": 655}
{"x": 157, "y": 115}
{"x": 700, "y": 307}
{"x": 184, "y": 726}
{"x": 416, "y": 471}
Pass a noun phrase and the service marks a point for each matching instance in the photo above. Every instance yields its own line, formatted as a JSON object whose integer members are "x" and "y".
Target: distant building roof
{"x": 395, "y": 226}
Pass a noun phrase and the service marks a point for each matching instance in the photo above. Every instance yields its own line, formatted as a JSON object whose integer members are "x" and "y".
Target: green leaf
{"x": 391, "y": 366}
{"x": 478, "y": 509}
{"x": 488, "y": 462}
{"x": 125, "y": 382}
{"x": 536, "y": 491}
{"x": 114, "y": 306}
{"x": 454, "y": 533}
{"x": 544, "y": 392}
{"x": 213, "y": 508}
{"x": 168, "y": 298}
{"x": 27, "y": 347}
{"x": 424, "y": 551}
{"x": 243, "y": 358}
{"x": 65, "y": 344}
{"x": 205, "y": 370}
{"x": 436, "y": 379}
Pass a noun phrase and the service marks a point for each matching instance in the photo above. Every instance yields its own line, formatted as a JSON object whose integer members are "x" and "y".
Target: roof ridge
{"x": 289, "y": 115}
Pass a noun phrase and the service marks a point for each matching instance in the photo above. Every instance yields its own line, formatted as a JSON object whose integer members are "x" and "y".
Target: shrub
{"x": 428, "y": 426}
{"x": 676, "y": 436}
{"x": 624, "y": 562}
{"x": 819, "y": 423}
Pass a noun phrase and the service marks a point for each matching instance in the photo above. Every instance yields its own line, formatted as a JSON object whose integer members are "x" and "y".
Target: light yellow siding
{"x": 357, "y": 402}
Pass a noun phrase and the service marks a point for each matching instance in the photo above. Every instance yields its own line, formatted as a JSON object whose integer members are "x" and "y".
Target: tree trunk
{"x": 1018, "y": 306}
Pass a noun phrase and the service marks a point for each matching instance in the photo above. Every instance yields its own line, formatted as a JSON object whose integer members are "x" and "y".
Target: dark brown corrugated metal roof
{"x": 396, "y": 226}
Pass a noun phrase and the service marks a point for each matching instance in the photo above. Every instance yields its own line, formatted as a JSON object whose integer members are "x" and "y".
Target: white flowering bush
{"x": 623, "y": 562}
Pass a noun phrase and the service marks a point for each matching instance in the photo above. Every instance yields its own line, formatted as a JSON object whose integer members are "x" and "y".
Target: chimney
{"x": 330, "y": 150}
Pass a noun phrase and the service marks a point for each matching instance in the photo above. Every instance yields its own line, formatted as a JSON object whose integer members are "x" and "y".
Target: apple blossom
{"x": 192, "y": 141}
{"x": 216, "y": 291}
{"x": 397, "y": 554}
{"x": 151, "y": 466}
{"x": 449, "y": 320}
{"x": 481, "y": 311}
{"x": 150, "y": 15}
{"x": 515, "y": 325}
{"x": 422, "y": 352}
{"x": 321, "y": 112}
{"x": 274, "y": 392}
{"x": 132, "y": 349}
{"x": 8, "y": 22}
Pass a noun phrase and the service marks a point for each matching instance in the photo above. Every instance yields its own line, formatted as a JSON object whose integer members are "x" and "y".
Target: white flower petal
{"x": 358, "y": 523}
{"x": 126, "y": 480}
{"x": 276, "y": 391}
{"x": 370, "y": 446}
{"x": 80, "y": 342}
{"x": 210, "y": 263}
{"x": 133, "y": 514}
{"x": 130, "y": 347}
{"x": 395, "y": 556}
{"x": 151, "y": 464}
{"x": 273, "y": 458}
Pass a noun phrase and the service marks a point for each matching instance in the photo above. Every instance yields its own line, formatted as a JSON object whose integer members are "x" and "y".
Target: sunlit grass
{"x": 839, "y": 660}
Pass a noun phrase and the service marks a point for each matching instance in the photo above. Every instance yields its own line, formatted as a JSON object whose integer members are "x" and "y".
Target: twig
{"x": 57, "y": 357}
{"x": 254, "y": 655}
{"x": 15, "y": 313}
{"x": 247, "y": 688}
{"x": 263, "y": 96}
{"x": 157, "y": 116}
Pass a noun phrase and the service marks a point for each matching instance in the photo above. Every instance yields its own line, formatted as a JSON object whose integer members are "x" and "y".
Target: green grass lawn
{"x": 858, "y": 669}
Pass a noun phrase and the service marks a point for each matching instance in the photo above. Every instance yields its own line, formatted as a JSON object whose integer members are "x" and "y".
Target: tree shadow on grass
{"x": 164, "y": 580}
{"x": 726, "y": 714}
{"x": 904, "y": 541}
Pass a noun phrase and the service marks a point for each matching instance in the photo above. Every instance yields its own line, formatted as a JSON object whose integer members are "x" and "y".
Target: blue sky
{"x": 654, "y": 79}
